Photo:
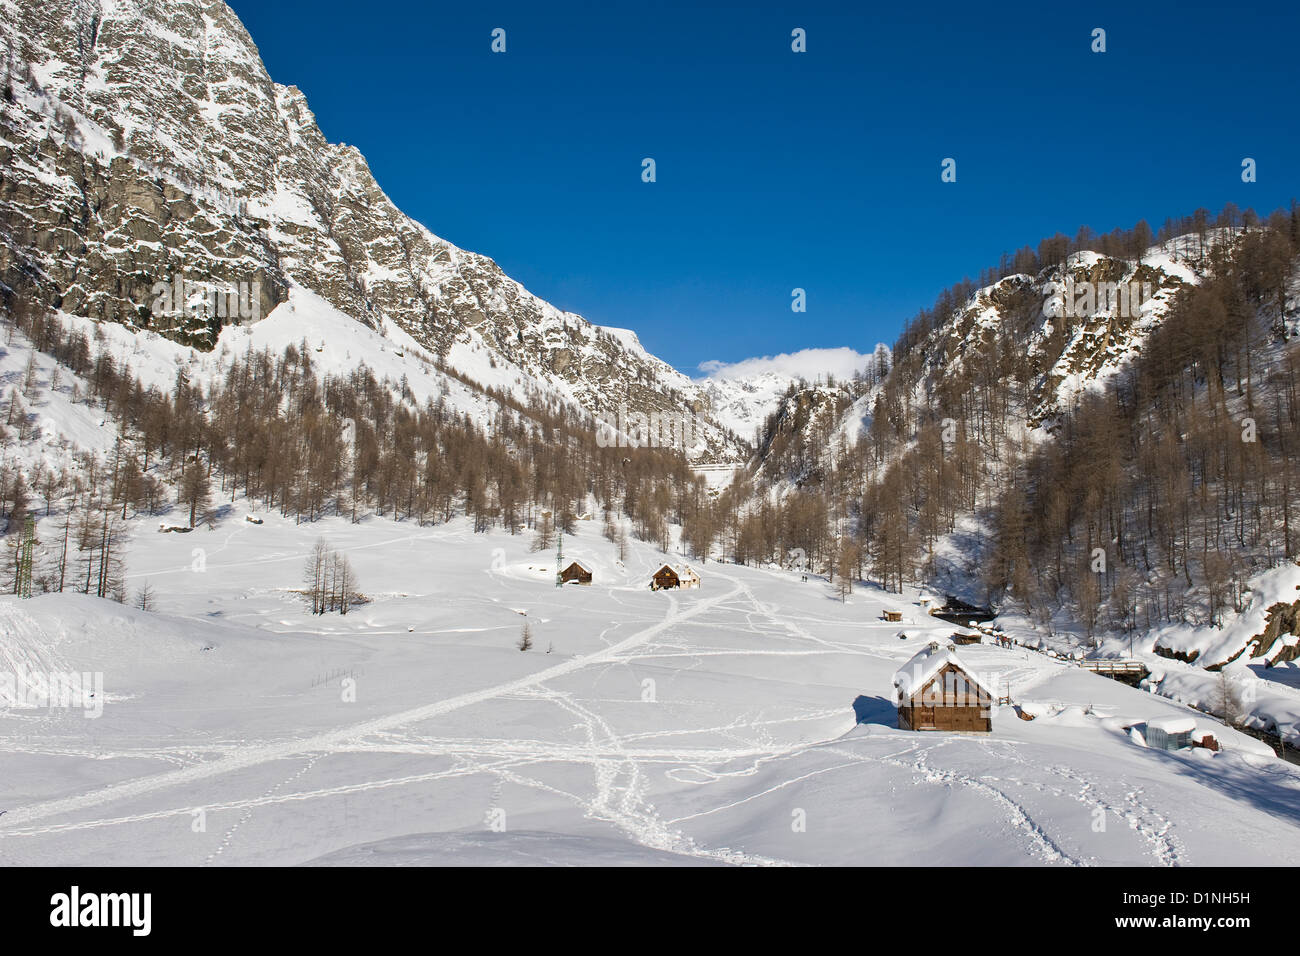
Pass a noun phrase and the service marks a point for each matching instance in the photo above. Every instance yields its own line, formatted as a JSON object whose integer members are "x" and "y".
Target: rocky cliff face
{"x": 142, "y": 141}
{"x": 1077, "y": 324}
{"x": 805, "y": 433}
{"x": 1073, "y": 326}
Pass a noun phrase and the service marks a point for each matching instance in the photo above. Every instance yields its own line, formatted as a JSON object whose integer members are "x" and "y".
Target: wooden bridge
{"x": 957, "y": 611}
{"x": 1127, "y": 672}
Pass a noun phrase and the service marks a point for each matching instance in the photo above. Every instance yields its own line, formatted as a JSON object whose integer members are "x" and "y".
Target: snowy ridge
{"x": 201, "y": 164}
{"x": 743, "y": 394}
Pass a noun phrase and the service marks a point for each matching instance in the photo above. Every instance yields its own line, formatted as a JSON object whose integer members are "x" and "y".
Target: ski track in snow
{"x": 1142, "y": 818}
{"x": 620, "y": 783}
{"x": 1041, "y": 843}
{"x": 625, "y": 805}
{"x": 248, "y": 810}
{"x": 1047, "y": 849}
{"x": 259, "y": 754}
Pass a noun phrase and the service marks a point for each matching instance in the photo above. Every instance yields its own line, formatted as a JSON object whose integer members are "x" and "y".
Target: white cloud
{"x": 806, "y": 363}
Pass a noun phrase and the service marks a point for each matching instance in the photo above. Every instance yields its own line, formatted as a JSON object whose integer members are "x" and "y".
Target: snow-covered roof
{"x": 681, "y": 570}
{"x": 1173, "y": 725}
{"x": 921, "y": 669}
{"x": 579, "y": 564}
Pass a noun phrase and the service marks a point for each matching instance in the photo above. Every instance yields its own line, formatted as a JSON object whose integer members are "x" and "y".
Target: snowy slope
{"x": 64, "y": 426}
{"x": 146, "y": 142}
{"x": 642, "y": 728}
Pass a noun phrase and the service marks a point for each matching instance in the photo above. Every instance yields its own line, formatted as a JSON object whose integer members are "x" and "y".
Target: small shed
{"x": 1170, "y": 733}
{"x": 965, "y": 637}
{"x": 577, "y": 571}
{"x": 674, "y": 576}
{"x": 936, "y": 691}
{"x": 893, "y": 617}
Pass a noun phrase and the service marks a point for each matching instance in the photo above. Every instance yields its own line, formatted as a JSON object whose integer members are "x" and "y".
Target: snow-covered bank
{"x": 1262, "y": 695}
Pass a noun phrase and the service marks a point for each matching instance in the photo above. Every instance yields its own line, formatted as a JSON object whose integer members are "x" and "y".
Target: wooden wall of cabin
{"x": 960, "y": 704}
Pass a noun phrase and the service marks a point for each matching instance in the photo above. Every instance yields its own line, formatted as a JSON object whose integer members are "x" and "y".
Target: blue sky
{"x": 777, "y": 170}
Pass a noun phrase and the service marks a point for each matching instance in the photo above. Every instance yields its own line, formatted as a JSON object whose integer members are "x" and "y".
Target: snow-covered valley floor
{"x": 749, "y": 721}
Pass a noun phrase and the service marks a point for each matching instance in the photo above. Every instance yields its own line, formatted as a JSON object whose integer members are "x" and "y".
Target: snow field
{"x": 747, "y": 722}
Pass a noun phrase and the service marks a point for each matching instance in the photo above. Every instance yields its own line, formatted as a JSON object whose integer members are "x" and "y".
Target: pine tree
{"x": 314, "y": 575}
{"x": 545, "y": 531}
{"x": 144, "y": 598}
{"x": 195, "y": 488}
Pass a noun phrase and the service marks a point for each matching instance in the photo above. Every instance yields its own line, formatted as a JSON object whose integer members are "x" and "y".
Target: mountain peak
{"x": 223, "y": 175}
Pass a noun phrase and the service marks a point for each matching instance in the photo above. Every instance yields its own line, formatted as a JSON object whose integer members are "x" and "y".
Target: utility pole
{"x": 559, "y": 560}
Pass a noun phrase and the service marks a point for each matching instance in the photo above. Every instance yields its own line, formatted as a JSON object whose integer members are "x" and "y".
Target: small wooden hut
{"x": 936, "y": 691}
{"x": 665, "y": 577}
{"x": 674, "y": 576}
{"x": 577, "y": 571}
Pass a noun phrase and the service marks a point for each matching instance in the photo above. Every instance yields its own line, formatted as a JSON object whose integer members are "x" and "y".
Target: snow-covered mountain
{"x": 743, "y": 394}
{"x": 383, "y": 410}
{"x": 1072, "y": 344}
{"x": 145, "y": 143}
{"x": 741, "y": 404}
{"x": 808, "y": 429}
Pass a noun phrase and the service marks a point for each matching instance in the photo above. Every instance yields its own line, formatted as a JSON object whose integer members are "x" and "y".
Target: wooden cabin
{"x": 674, "y": 576}
{"x": 936, "y": 691}
{"x": 665, "y": 577}
{"x": 893, "y": 616}
{"x": 577, "y": 571}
